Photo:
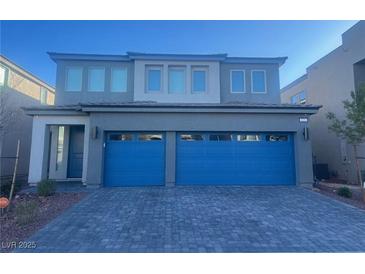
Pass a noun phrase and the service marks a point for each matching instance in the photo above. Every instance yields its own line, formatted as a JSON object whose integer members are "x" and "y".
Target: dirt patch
{"x": 330, "y": 191}
{"x": 14, "y": 229}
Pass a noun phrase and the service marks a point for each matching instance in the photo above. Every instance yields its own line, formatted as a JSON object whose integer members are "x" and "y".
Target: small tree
{"x": 352, "y": 129}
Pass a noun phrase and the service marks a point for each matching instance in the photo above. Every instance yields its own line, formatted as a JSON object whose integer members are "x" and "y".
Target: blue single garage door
{"x": 134, "y": 159}
{"x": 235, "y": 159}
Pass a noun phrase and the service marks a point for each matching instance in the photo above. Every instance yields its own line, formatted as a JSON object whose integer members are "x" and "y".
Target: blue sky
{"x": 304, "y": 42}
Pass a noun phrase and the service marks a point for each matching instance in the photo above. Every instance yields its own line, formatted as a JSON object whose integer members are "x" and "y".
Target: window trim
{"x": 265, "y": 80}
{"x": 111, "y": 79}
{"x": 183, "y": 68}
{"x": 199, "y": 68}
{"x": 244, "y": 80}
{"x": 66, "y": 78}
{"x": 299, "y": 102}
{"x": 6, "y": 74}
{"x": 88, "y": 78}
{"x": 147, "y": 69}
{"x": 40, "y": 95}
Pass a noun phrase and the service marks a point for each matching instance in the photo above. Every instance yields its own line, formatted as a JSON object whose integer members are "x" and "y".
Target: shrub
{"x": 26, "y": 212}
{"x": 46, "y": 188}
{"x": 344, "y": 192}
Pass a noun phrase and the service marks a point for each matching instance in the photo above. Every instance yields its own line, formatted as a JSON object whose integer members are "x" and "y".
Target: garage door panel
{"x": 266, "y": 161}
{"x": 134, "y": 162}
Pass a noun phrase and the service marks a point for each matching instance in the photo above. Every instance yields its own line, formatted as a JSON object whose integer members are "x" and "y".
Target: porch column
{"x": 39, "y": 152}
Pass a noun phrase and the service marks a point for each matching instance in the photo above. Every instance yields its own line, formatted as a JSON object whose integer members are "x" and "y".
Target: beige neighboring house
{"x": 328, "y": 82}
{"x": 18, "y": 89}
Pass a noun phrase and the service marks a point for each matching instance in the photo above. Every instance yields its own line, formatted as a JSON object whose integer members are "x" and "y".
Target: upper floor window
{"x": 96, "y": 79}
{"x": 177, "y": 79}
{"x": 299, "y": 98}
{"x": 43, "y": 96}
{"x": 199, "y": 79}
{"x": 2, "y": 76}
{"x": 237, "y": 81}
{"x": 73, "y": 79}
{"x": 258, "y": 81}
{"x": 119, "y": 80}
{"x": 154, "y": 79}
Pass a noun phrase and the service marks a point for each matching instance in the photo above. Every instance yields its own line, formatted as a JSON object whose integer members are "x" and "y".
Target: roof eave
{"x": 86, "y": 57}
{"x": 256, "y": 60}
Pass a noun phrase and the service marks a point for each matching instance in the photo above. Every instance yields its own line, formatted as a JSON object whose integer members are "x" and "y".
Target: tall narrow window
{"x": 43, "y": 96}
{"x": 237, "y": 81}
{"x": 73, "y": 79}
{"x": 154, "y": 79}
{"x": 177, "y": 80}
{"x": 258, "y": 81}
{"x": 60, "y": 144}
{"x": 96, "y": 79}
{"x": 199, "y": 81}
{"x": 119, "y": 80}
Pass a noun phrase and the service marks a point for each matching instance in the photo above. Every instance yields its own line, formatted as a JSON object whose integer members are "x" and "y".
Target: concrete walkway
{"x": 205, "y": 219}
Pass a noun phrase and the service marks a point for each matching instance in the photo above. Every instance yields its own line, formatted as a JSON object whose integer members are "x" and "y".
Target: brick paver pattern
{"x": 205, "y": 219}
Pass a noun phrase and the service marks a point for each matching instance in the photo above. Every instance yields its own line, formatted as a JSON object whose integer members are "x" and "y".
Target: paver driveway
{"x": 205, "y": 219}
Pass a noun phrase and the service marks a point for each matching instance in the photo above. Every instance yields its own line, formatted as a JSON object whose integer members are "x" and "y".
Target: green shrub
{"x": 26, "y": 212}
{"x": 344, "y": 192}
{"x": 46, "y": 188}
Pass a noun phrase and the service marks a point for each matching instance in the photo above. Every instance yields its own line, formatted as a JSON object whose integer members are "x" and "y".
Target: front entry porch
{"x": 59, "y": 149}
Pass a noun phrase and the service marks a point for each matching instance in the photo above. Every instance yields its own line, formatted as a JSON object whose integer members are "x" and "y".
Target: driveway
{"x": 205, "y": 219}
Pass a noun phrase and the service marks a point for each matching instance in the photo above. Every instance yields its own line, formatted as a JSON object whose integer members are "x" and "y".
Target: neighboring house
{"x": 18, "y": 89}
{"x": 328, "y": 82}
{"x": 170, "y": 119}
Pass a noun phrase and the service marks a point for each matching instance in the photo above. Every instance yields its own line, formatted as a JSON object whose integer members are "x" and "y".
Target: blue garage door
{"x": 235, "y": 159}
{"x": 134, "y": 159}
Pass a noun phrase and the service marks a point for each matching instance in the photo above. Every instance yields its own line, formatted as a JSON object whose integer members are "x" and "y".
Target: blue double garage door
{"x": 202, "y": 158}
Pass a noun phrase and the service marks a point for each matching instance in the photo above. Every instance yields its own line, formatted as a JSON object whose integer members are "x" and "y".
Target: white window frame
{"x": 111, "y": 79}
{"x": 40, "y": 95}
{"x": 183, "y": 68}
{"x": 296, "y": 98}
{"x": 3, "y": 84}
{"x": 244, "y": 80}
{"x": 199, "y": 68}
{"x": 66, "y": 78}
{"x": 147, "y": 75}
{"x": 88, "y": 78}
{"x": 265, "y": 81}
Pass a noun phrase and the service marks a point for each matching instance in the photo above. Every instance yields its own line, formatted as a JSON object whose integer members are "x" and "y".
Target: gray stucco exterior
{"x": 272, "y": 95}
{"x": 20, "y": 89}
{"x": 214, "y": 110}
{"x": 176, "y": 122}
{"x": 329, "y": 82}
{"x": 64, "y": 97}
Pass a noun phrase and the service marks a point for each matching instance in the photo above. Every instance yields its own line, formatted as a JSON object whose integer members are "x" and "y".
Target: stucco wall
{"x": 329, "y": 82}
{"x": 64, "y": 97}
{"x": 40, "y": 144}
{"x": 272, "y": 96}
{"x": 173, "y": 122}
{"x": 20, "y": 128}
{"x": 212, "y": 95}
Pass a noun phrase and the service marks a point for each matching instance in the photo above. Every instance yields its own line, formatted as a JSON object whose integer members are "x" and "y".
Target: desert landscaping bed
{"x": 30, "y": 212}
{"x": 330, "y": 190}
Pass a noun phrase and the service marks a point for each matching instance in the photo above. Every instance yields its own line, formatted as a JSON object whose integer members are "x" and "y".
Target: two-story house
{"x": 170, "y": 119}
{"x": 329, "y": 82}
{"x": 18, "y": 88}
